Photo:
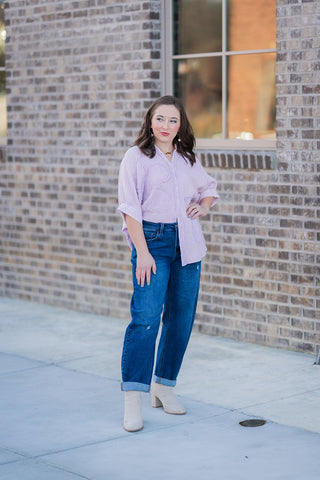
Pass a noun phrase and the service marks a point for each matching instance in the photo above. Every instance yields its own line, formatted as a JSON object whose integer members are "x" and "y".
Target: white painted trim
{"x": 220, "y": 54}
{"x": 234, "y": 144}
{"x": 166, "y": 32}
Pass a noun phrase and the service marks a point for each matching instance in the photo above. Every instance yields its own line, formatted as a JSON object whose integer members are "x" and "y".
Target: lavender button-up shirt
{"x": 159, "y": 191}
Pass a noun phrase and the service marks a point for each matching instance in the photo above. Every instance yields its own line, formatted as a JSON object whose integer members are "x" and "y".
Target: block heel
{"x": 163, "y": 396}
{"x": 156, "y": 403}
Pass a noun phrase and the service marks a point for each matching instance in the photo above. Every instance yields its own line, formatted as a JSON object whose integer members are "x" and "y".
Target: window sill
{"x": 235, "y": 144}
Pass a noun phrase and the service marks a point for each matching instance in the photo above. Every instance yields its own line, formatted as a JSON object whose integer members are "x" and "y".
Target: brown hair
{"x": 184, "y": 141}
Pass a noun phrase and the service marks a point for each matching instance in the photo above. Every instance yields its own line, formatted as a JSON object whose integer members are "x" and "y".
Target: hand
{"x": 145, "y": 265}
{"x": 195, "y": 210}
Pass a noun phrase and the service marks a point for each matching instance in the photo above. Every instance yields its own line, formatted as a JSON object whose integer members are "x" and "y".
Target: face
{"x": 165, "y": 124}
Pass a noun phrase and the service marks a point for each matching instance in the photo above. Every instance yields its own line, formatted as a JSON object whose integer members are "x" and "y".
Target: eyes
{"x": 173, "y": 121}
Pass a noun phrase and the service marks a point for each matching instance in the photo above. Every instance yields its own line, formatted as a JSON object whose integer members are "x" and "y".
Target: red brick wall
{"x": 79, "y": 80}
{"x": 80, "y": 76}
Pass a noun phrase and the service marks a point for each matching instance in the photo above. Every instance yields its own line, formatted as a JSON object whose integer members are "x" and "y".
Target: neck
{"x": 166, "y": 149}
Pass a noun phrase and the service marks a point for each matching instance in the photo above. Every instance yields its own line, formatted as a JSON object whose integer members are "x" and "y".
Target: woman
{"x": 163, "y": 190}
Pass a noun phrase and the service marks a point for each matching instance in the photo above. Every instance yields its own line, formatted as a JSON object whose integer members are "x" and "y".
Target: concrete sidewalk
{"x": 61, "y": 406}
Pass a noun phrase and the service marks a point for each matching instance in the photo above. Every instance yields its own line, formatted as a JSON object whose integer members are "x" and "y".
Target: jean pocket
{"x": 150, "y": 235}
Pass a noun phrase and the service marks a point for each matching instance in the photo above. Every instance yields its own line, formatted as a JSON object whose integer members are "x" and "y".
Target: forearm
{"x": 206, "y": 202}
{"x": 136, "y": 234}
{"x": 145, "y": 261}
{"x": 200, "y": 209}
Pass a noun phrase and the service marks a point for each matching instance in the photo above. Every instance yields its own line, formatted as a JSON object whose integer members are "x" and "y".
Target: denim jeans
{"x": 172, "y": 293}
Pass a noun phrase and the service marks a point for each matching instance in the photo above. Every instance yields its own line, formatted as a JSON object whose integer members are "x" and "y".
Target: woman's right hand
{"x": 145, "y": 265}
{"x": 145, "y": 261}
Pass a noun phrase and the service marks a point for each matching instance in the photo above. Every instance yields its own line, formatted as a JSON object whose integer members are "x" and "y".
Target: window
{"x": 3, "y": 106}
{"x": 221, "y": 63}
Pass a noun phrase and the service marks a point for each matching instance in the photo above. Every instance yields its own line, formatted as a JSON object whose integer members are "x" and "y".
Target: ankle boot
{"x": 163, "y": 396}
{"x": 133, "y": 421}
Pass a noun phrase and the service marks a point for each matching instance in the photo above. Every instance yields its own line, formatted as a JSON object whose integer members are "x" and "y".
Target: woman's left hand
{"x": 195, "y": 210}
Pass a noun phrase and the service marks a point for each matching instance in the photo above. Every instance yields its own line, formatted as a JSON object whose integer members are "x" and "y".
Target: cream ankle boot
{"x": 133, "y": 421}
{"x": 163, "y": 396}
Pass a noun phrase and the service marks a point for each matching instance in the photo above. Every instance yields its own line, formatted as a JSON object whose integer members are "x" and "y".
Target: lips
{"x": 165, "y": 134}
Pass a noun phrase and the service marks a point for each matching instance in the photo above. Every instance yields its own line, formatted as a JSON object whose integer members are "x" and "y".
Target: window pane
{"x": 2, "y": 34}
{"x": 251, "y": 96}
{"x": 3, "y": 105}
{"x": 251, "y": 24}
{"x": 197, "y": 26}
{"x": 198, "y": 83}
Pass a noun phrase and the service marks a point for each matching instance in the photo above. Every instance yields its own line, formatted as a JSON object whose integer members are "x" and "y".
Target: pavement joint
{"x": 61, "y": 469}
{"x": 276, "y": 399}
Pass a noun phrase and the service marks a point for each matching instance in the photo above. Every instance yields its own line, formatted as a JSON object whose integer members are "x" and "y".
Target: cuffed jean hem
{"x": 164, "y": 381}
{"x": 134, "y": 386}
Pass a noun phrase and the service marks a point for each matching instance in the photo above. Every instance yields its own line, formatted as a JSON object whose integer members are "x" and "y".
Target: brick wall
{"x": 264, "y": 237}
{"x": 80, "y": 76}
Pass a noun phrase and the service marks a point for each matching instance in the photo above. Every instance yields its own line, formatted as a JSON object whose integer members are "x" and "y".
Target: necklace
{"x": 166, "y": 153}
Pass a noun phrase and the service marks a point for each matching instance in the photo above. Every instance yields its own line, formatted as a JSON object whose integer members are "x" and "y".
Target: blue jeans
{"x": 172, "y": 293}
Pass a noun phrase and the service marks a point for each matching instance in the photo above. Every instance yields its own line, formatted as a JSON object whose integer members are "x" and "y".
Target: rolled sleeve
{"x": 207, "y": 186}
{"x": 128, "y": 191}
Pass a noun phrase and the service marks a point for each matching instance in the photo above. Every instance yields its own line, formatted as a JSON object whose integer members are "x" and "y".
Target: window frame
{"x": 167, "y": 81}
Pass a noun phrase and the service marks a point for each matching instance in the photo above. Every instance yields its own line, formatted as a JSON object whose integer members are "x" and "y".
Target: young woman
{"x": 163, "y": 190}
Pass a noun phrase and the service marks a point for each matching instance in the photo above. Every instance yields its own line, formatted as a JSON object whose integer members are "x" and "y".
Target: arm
{"x": 145, "y": 261}
{"x": 200, "y": 209}
{"x": 207, "y": 190}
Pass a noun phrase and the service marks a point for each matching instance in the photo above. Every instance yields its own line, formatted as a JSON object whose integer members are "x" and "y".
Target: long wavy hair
{"x": 184, "y": 141}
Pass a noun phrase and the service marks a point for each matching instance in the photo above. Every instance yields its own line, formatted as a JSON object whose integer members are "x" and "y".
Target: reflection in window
{"x": 198, "y": 83}
{"x": 251, "y": 97}
{"x": 224, "y": 66}
{"x": 251, "y": 24}
{"x": 3, "y": 106}
{"x": 197, "y": 26}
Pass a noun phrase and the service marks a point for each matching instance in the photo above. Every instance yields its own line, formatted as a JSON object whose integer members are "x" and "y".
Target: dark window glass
{"x": 226, "y": 94}
{"x": 198, "y": 85}
{"x": 197, "y": 26}
{"x": 2, "y": 34}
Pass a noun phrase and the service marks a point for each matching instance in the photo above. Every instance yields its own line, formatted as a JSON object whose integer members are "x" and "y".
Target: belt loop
{"x": 161, "y": 228}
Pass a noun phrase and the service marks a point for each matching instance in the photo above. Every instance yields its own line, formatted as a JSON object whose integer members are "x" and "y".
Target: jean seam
{"x": 125, "y": 350}
{"x": 166, "y": 337}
